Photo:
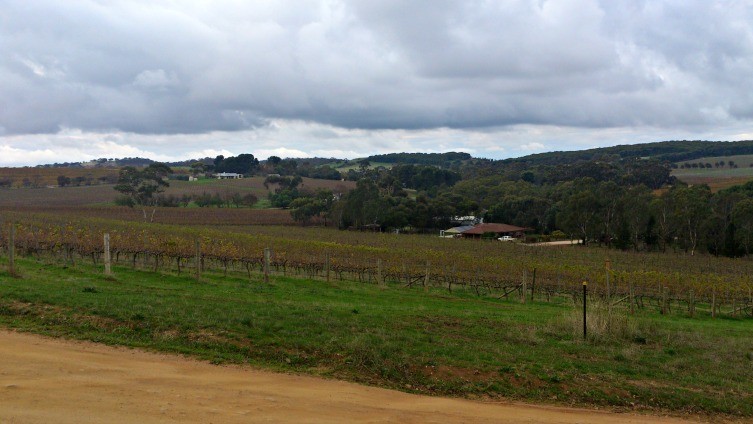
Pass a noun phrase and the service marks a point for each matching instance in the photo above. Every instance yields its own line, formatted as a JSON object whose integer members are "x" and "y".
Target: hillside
{"x": 670, "y": 151}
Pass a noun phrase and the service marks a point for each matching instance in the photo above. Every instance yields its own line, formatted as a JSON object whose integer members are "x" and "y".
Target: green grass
{"x": 437, "y": 343}
{"x": 343, "y": 167}
{"x": 743, "y": 161}
{"x": 718, "y": 178}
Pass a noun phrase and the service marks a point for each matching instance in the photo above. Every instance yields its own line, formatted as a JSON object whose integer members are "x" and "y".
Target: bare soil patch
{"x": 45, "y": 380}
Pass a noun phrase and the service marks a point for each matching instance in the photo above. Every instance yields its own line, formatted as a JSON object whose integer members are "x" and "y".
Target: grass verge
{"x": 435, "y": 343}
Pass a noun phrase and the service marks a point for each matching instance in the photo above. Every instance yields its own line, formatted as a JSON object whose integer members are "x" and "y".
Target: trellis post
{"x": 266, "y": 265}
{"x": 12, "y": 250}
{"x": 108, "y": 268}
{"x": 197, "y": 246}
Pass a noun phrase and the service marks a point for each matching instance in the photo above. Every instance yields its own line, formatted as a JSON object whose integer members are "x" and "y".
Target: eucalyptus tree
{"x": 140, "y": 186}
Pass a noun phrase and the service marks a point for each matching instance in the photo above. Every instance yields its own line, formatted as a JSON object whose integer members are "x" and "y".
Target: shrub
{"x": 125, "y": 201}
{"x": 603, "y": 324}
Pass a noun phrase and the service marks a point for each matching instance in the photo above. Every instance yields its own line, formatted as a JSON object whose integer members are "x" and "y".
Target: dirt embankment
{"x": 46, "y": 380}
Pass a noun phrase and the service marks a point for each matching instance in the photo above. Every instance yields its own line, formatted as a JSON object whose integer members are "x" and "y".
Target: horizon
{"x": 262, "y": 159}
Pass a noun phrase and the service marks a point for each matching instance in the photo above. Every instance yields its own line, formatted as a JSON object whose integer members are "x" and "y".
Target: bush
{"x": 125, "y": 201}
{"x": 557, "y": 234}
{"x": 603, "y": 324}
{"x": 170, "y": 201}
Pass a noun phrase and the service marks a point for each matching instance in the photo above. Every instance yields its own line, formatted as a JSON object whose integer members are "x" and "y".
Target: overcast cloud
{"x": 175, "y": 80}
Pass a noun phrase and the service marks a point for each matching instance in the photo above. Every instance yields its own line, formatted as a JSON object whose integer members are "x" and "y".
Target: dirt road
{"x": 46, "y": 380}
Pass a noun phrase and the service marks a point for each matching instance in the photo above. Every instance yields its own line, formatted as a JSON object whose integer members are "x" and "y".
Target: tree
{"x": 610, "y": 195}
{"x": 303, "y": 209}
{"x": 63, "y": 180}
{"x": 635, "y": 215}
{"x": 141, "y": 185}
{"x": 198, "y": 168}
{"x": 244, "y": 163}
{"x": 580, "y": 209}
{"x": 742, "y": 217}
{"x": 690, "y": 211}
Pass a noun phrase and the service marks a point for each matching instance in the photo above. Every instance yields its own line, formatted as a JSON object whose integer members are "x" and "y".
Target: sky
{"x": 174, "y": 80}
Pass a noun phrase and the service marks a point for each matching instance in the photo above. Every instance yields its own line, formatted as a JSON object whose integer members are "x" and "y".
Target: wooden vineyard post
{"x": 266, "y": 265}
{"x": 108, "y": 269}
{"x": 663, "y": 300}
{"x": 713, "y": 303}
{"x": 197, "y": 246}
{"x": 12, "y": 250}
{"x": 585, "y": 295}
{"x": 453, "y": 277}
{"x": 691, "y": 304}
{"x": 380, "y": 281}
{"x": 524, "y": 288}
{"x": 533, "y": 284}
{"x": 326, "y": 266}
{"x": 632, "y": 297}
{"x": 426, "y": 277}
{"x": 145, "y": 258}
{"x": 607, "y": 268}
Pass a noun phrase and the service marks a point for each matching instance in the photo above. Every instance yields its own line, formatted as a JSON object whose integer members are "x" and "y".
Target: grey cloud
{"x": 164, "y": 67}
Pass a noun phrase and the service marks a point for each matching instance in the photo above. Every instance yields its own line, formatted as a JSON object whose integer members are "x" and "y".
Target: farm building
{"x": 228, "y": 176}
{"x": 498, "y": 230}
{"x": 455, "y": 231}
{"x": 478, "y": 231}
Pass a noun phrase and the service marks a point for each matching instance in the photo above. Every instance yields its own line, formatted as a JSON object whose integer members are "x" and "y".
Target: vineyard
{"x": 666, "y": 282}
{"x": 175, "y": 216}
{"x": 42, "y": 198}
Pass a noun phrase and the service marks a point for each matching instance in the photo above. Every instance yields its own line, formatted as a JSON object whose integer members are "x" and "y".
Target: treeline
{"x": 203, "y": 200}
{"x": 669, "y": 151}
{"x": 649, "y": 172}
{"x": 444, "y": 160}
{"x": 681, "y": 217}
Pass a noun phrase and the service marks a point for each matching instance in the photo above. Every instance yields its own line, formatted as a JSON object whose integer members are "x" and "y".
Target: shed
{"x": 228, "y": 176}
{"x": 455, "y": 231}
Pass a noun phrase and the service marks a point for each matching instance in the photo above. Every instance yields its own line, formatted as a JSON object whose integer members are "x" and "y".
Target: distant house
{"x": 455, "y": 231}
{"x": 228, "y": 176}
{"x": 498, "y": 230}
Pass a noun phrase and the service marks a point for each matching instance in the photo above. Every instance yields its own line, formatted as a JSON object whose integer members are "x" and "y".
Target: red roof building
{"x": 496, "y": 229}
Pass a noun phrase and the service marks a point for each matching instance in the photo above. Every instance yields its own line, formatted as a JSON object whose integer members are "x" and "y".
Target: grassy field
{"x": 743, "y": 161}
{"x": 353, "y": 164}
{"x": 717, "y": 178}
{"x": 436, "y": 342}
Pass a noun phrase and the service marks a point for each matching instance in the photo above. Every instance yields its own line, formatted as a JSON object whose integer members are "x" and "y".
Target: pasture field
{"x": 742, "y": 161}
{"x": 353, "y": 164}
{"x": 432, "y": 342}
{"x": 42, "y": 177}
{"x": 253, "y": 185}
{"x": 718, "y": 178}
